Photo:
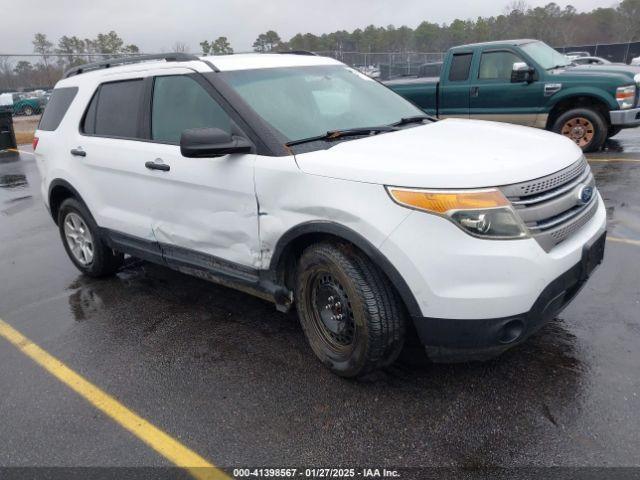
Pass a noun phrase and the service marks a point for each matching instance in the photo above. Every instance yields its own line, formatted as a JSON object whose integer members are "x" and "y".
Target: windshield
{"x": 303, "y": 102}
{"x": 545, "y": 56}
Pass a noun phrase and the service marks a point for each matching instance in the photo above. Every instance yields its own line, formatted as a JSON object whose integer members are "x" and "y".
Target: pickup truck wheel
{"x": 583, "y": 126}
{"x": 28, "y": 111}
{"x": 81, "y": 239}
{"x": 349, "y": 312}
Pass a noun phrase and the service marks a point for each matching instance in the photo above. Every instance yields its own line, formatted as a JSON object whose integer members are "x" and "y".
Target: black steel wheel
{"x": 349, "y": 311}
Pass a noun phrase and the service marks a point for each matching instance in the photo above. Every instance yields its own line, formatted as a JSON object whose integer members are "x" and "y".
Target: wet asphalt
{"x": 235, "y": 381}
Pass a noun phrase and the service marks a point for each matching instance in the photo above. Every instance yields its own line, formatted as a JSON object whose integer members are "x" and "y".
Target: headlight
{"x": 636, "y": 78}
{"x": 626, "y": 96}
{"x": 481, "y": 213}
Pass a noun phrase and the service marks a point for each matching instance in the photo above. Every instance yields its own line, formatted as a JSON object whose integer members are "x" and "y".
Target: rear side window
{"x": 180, "y": 103}
{"x": 114, "y": 110}
{"x": 460, "y": 66}
{"x": 57, "y": 106}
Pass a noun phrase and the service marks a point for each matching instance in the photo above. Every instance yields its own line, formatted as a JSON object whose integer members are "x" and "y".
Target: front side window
{"x": 181, "y": 103}
{"x": 303, "y": 102}
{"x": 114, "y": 110}
{"x": 497, "y": 65}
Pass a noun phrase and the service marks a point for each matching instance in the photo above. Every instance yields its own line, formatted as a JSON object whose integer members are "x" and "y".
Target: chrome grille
{"x": 550, "y": 206}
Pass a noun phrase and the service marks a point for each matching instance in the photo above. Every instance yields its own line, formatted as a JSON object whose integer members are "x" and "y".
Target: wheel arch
{"x": 569, "y": 102}
{"x": 59, "y": 191}
{"x": 296, "y": 239}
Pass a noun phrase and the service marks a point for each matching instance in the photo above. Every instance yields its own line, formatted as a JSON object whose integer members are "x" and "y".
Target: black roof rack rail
{"x": 113, "y": 62}
{"x": 299, "y": 52}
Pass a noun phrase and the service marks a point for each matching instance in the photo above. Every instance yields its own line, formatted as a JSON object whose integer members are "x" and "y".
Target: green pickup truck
{"x": 529, "y": 83}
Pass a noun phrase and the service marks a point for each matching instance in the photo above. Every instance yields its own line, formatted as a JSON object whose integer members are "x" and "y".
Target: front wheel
{"x": 349, "y": 311}
{"x": 83, "y": 243}
{"x": 584, "y": 126}
{"x": 28, "y": 111}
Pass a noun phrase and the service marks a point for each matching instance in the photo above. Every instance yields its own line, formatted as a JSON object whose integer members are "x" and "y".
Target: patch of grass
{"x": 23, "y": 138}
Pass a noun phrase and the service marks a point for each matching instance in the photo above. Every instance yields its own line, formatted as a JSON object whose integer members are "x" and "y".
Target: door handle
{"x": 156, "y": 165}
{"x": 78, "y": 152}
{"x": 475, "y": 91}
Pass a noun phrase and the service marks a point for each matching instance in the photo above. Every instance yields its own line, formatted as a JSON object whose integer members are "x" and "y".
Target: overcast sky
{"x": 158, "y": 24}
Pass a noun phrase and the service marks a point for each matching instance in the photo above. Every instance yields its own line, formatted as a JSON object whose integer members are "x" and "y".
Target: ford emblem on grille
{"x": 585, "y": 194}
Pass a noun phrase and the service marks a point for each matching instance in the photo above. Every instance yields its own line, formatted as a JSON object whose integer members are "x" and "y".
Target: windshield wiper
{"x": 414, "y": 119}
{"x": 336, "y": 134}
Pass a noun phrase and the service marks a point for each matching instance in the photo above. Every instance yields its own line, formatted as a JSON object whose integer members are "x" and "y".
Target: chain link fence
{"x": 614, "y": 52}
{"x": 33, "y": 72}
{"x": 388, "y": 64}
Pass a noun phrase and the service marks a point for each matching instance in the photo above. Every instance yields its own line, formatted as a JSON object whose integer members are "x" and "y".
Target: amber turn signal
{"x": 445, "y": 201}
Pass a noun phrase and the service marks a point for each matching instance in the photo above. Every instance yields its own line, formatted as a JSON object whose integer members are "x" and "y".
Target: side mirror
{"x": 522, "y": 72}
{"x": 211, "y": 142}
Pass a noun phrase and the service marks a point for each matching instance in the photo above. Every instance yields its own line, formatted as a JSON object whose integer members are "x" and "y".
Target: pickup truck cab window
{"x": 460, "y": 66}
{"x": 309, "y": 101}
{"x": 180, "y": 103}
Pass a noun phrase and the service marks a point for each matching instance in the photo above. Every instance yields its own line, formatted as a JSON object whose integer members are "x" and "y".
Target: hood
{"x": 629, "y": 70}
{"x": 451, "y": 153}
{"x": 624, "y": 73}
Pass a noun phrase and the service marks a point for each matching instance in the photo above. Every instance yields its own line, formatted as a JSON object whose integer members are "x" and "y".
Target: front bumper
{"x": 452, "y": 340}
{"x": 625, "y": 118}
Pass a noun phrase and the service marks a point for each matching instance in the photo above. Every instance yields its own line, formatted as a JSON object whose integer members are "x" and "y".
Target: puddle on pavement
{"x": 13, "y": 181}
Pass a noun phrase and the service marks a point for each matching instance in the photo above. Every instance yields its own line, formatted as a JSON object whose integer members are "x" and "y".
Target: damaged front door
{"x": 205, "y": 209}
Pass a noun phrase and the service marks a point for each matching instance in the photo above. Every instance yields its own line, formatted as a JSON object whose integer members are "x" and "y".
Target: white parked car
{"x": 590, "y": 61}
{"x": 306, "y": 183}
{"x": 635, "y": 61}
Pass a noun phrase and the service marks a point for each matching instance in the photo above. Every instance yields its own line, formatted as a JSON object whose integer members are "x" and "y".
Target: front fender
{"x": 581, "y": 91}
{"x": 340, "y": 231}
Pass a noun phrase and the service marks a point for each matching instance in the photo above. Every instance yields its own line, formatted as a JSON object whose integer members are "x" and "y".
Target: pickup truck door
{"x": 495, "y": 97}
{"x": 454, "y": 91}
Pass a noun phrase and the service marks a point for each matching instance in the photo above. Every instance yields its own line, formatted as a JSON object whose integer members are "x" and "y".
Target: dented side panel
{"x": 289, "y": 197}
{"x": 206, "y": 204}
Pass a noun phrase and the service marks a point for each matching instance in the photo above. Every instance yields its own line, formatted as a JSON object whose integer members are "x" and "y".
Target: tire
{"x": 334, "y": 280}
{"x": 75, "y": 221}
{"x": 613, "y": 131}
{"x": 584, "y": 126}
{"x": 28, "y": 111}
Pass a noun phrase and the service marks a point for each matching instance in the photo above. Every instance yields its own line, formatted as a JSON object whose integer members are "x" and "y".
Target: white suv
{"x": 301, "y": 180}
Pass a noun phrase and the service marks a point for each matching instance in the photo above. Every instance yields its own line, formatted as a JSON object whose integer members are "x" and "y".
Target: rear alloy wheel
{"x": 585, "y": 127}
{"x": 78, "y": 238}
{"x": 349, "y": 311}
{"x": 81, "y": 239}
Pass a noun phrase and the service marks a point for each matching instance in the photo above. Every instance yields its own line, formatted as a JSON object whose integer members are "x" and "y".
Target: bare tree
{"x": 180, "y": 47}
{"x": 44, "y": 47}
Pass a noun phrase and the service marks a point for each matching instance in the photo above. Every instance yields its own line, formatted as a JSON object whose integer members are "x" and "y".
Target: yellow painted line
{"x": 607, "y": 160}
{"x": 165, "y": 445}
{"x": 19, "y": 151}
{"x": 628, "y": 241}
